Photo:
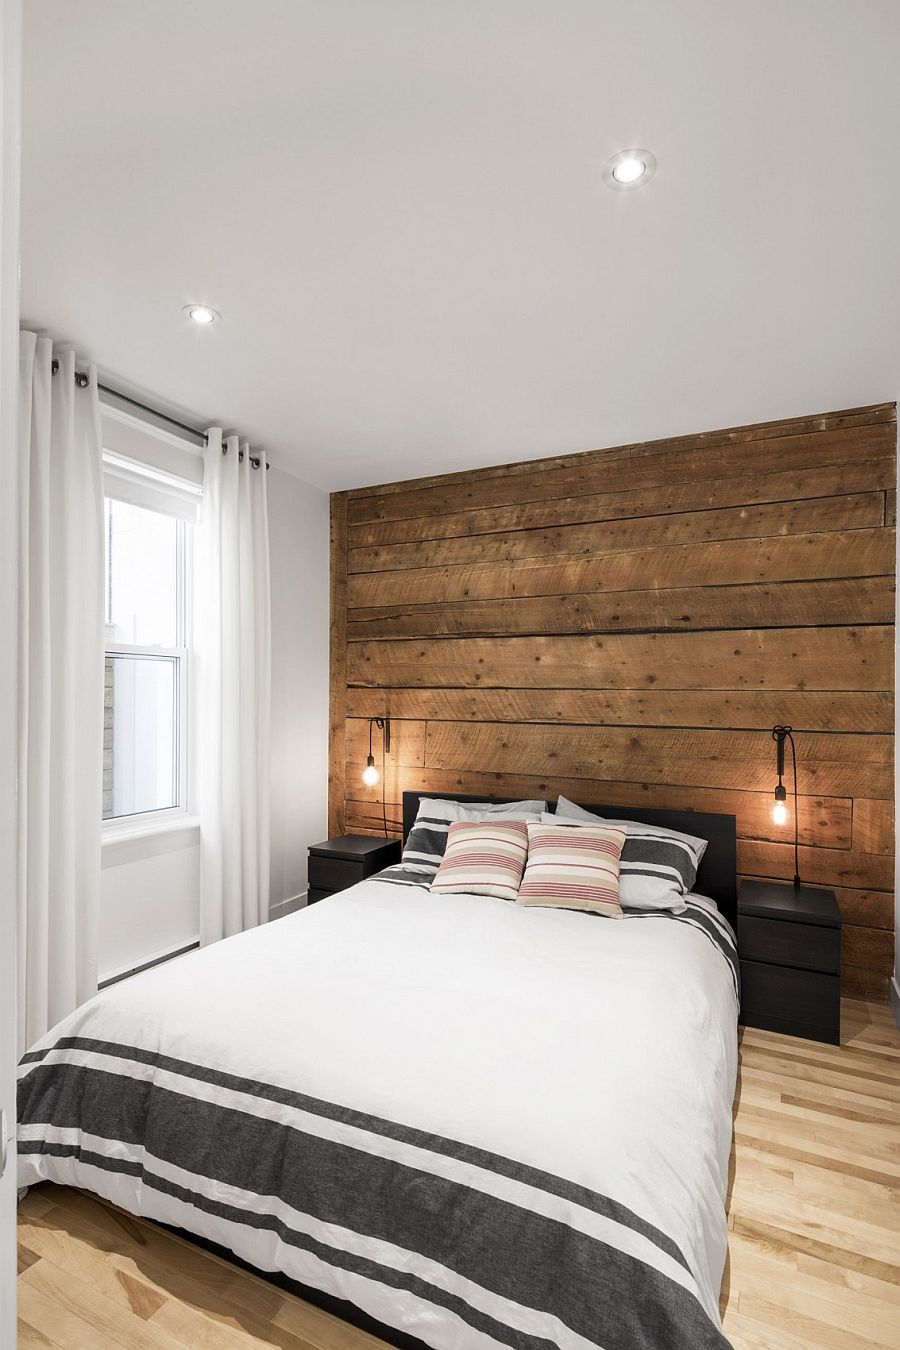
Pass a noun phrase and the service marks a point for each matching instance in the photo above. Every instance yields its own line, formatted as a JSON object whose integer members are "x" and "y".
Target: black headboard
{"x": 717, "y": 876}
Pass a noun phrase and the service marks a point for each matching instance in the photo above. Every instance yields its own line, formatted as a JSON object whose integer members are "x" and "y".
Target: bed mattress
{"x": 478, "y": 1123}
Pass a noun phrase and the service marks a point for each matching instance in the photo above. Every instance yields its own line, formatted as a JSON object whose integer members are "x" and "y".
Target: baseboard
{"x": 895, "y": 999}
{"x": 287, "y": 906}
{"x": 125, "y": 972}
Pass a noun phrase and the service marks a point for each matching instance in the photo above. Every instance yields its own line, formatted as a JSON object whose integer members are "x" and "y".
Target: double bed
{"x": 464, "y": 1122}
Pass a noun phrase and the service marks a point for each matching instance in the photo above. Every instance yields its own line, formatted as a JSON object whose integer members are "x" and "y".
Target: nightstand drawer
{"x": 312, "y": 895}
{"x": 334, "y": 874}
{"x": 793, "y": 1002}
{"x": 781, "y": 943}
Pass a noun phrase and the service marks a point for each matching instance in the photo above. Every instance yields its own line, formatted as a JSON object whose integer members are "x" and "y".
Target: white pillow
{"x": 438, "y": 809}
{"x": 658, "y": 867}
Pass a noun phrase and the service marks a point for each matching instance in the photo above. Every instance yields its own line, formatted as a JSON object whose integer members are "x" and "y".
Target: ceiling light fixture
{"x": 629, "y": 169}
{"x": 201, "y": 314}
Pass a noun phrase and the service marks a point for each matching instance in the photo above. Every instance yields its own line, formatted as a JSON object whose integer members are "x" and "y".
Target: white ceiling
{"x": 397, "y": 207}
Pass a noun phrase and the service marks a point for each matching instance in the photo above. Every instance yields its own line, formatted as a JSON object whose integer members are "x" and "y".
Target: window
{"x": 145, "y": 702}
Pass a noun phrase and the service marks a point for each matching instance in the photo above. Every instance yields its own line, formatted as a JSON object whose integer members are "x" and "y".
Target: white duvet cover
{"x": 481, "y": 1124}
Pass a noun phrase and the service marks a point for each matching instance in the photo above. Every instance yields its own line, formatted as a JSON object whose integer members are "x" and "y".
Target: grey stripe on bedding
{"x": 526, "y": 1257}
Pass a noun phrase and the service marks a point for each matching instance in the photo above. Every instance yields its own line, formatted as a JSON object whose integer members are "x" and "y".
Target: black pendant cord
{"x": 383, "y": 789}
{"x": 779, "y": 736}
{"x": 796, "y": 816}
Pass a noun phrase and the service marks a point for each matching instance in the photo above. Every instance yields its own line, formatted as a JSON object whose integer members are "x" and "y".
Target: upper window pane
{"x": 141, "y": 576}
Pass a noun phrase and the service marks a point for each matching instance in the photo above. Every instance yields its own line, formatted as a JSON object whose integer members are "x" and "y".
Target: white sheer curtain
{"x": 232, "y": 688}
{"x": 60, "y": 487}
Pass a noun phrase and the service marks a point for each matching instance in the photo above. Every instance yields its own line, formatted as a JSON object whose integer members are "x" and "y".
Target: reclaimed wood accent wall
{"x": 626, "y": 626}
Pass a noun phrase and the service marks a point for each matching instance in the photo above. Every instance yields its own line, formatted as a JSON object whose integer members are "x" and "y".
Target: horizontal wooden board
{"x": 691, "y": 758}
{"x": 871, "y": 909}
{"x": 583, "y": 507}
{"x": 407, "y": 743}
{"x": 871, "y": 415}
{"x": 635, "y": 468}
{"x": 863, "y": 510}
{"x": 752, "y": 709}
{"x": 873, "y": 826}
{"x": 862, "y": 983}
{"x": 802, "y": 557}
{"x": 826, "y": 658}
{"x": 869, "y": 947}
{"x": 859, "y": 600}
{"x": 824, "y": 821}
{"x": 818, "y": 866}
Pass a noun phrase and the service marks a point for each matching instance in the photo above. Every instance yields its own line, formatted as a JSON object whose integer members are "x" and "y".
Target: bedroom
{"x": 450, "y": 713}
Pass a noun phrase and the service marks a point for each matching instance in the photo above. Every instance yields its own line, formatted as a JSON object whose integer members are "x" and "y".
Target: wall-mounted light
{"x": 779, "y": 810}
{"x": 370, "y": 775}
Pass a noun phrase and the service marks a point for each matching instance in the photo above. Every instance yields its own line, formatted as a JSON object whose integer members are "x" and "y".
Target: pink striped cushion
{"x": 573, "y": 869}
{"x": 483, "y": 857}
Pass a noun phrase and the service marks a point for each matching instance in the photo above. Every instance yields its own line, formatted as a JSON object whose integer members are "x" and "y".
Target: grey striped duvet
{"x": 480, "y": 1124}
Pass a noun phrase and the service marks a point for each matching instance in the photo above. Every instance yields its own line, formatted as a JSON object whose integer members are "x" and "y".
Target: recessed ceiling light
{"x": 629, "y": 169}
{"x": 201, "y": 313}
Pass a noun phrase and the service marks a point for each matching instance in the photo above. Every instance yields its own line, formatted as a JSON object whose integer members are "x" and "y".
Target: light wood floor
{"x": 814, "y": 1223}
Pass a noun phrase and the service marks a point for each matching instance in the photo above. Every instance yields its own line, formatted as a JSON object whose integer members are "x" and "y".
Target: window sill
{"x": 123, "y": 843}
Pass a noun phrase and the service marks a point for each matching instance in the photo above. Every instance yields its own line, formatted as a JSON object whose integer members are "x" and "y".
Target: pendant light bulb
{"x": 370, "y": 773}
{"x": 779, "y": 813}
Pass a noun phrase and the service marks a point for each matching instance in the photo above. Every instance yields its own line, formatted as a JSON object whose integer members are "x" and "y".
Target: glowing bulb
{"x": 370, "y": 775}
{"x": 629, "y": 170}
{"x": 779, "y": 813}
{"x": 201, "y": 313}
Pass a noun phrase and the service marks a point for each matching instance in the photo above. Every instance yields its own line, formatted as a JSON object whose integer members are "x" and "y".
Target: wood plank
{"x": 863, "y": 510}
{"x": 873, "y": 826}
{"x": 635, "y": 467}
{"x": 870, "y": 948}
{"x": 712, "y": 759}
{"x": 863, "y": 983}
{"x": 828, "y": 658}
{"x": 808, "y": 710}
{"x": 824, "y": 820}
{"x": 584, "y": 507}
{"x": 337, "y": 696}
{"x": 801, "y": 557}
{"x": 407, "y": 744}
{"x": 871, "y": 909}
{"x": 871, "y": 415}
{"x": 859, "y": 600}
{"x": 818, "y": 866}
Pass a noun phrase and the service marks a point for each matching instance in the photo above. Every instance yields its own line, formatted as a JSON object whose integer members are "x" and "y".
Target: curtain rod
{"x": 81, "y": 380}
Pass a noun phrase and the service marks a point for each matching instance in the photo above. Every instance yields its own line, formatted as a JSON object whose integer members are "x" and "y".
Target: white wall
{"x": 149, "y": 896}
{"x": 299, "y": 532}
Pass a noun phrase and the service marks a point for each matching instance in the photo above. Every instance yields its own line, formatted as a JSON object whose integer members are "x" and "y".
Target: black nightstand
{"x": 789, "y": 942}
{"x": 339, "y": 863}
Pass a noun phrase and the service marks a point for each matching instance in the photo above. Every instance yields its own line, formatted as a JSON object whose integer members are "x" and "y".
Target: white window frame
{"x": 166, "y": 817}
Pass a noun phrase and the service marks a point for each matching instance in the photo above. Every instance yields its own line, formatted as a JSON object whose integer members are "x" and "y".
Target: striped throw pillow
{"x": 658, "y": 867}
{"x": 573, "y": 869}
{"x": 483, "y": 857}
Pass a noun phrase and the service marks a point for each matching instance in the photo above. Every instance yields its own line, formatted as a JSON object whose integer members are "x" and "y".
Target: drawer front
{"x": 333, "y": 874}
{"x": 795, "y": 1002}
{"x": 313, "y": 895}
{"x": 781, "y": 943}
